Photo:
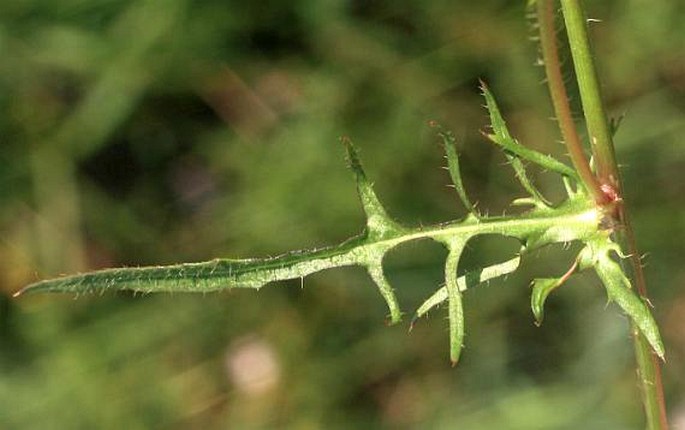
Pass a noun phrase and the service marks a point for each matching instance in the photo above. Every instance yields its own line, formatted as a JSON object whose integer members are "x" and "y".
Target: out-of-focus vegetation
{"x": 144, "y": 132}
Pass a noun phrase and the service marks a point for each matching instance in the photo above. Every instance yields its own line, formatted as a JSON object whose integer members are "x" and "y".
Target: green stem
{"x": 557, "y": 90}
{"x": 649, "y": 375}
{"x": 590, "y": 94}
{"x": 649, "y": 370}
{"x": 649, "y": 365}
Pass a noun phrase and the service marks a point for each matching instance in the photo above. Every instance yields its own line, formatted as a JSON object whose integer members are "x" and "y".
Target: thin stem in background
{"x": 562, "y": 109}
{"x": 649, "y": 367}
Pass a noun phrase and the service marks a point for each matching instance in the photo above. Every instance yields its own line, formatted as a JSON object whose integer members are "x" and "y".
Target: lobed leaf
{"x": 576, "y": 219}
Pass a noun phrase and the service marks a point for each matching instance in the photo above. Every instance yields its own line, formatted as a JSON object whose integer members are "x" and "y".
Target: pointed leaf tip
{"x": 455, "y": 307}
{"x": 378, "y": 222}
{"x": 352, "y": 153}
{"x": 542, "y": 287}
{"x": 375, "y": 270}
{"x": 619, "y": 291}
{"x": 413, "y": 321}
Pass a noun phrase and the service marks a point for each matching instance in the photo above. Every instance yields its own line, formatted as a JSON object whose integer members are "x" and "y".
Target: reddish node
{"x": 610, "y": 193}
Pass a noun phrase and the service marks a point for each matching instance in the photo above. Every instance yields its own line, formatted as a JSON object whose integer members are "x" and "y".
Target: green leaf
{"x": 455, "y": 311}
{"x": 542, "y": 287}
{"x": 450, "y": 145}
{"x": 572, "y": 221}
{"x": 503, "y": 138}
{"x": 375, "y": 270}
{"x": 469, "y": 280}
{"x": 213, "y": 275}
{"x": 576, "y": 219}
{"x": 502, "y": 135}
{"x": 378, "y": 223}
{"x": 619, "y": 291}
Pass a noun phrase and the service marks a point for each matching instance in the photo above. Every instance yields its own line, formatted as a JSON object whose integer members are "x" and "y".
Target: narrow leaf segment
{"x": 455, "y": 311}
{"x": 449, "y": 144}
{"x": 503, "y": 138}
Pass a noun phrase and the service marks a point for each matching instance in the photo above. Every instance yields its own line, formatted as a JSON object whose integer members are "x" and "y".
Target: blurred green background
{"x": 136, "y": 132}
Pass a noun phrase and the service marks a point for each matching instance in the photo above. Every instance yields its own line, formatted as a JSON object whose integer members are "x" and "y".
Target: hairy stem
{"x": 649, "y": 370}
{"x": 557, "y": 90}
{"x": 649, "y": 365}
{"x": 590, "y": 94}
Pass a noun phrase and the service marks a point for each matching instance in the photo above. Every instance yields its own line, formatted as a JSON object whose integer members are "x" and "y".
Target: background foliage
{"x": 138, "y": 132}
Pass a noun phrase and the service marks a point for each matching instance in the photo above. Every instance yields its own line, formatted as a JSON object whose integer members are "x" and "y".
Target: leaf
{"x": 503, "y": 139}
{"x": 375, "y": 270}
{"x": 542, "y": 287}
{"x": 502, "y": 135}
{"x": 469, "y": 280}
{"x": 455, "y": 311}
{"x": 562, "y": 224}
{"x": 213, "y": 275}
{"x": 378, "y": 223}
{"x": 619, "y": 291}
{"x": 576, "y": 219}
{"x": 450, "y": 146}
